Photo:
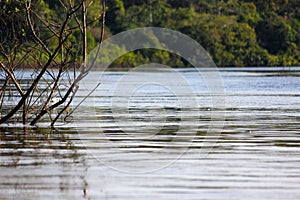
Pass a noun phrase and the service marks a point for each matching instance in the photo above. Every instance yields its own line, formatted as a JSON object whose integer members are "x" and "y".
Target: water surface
{"x": 154, "y": 147}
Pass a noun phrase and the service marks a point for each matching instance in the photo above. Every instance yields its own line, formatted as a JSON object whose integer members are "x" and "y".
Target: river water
{"x": 157, "y": 142}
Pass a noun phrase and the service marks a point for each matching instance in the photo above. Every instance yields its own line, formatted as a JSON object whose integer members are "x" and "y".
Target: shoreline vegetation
{"x": 235, "y": 33}
{"x": 122, "y": 67}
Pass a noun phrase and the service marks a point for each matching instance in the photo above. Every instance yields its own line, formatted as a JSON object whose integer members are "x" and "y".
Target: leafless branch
{"x": 13, "y": 78}
{"x": 33, "y": 100}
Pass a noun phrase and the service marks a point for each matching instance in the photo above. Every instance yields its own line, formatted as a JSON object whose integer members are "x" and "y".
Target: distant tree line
{"x": 234, "y": 32}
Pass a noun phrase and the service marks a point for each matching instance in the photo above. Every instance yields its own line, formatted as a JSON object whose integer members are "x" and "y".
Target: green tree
{"x": 13, "y": 23}
{"x": 275, "y": 34}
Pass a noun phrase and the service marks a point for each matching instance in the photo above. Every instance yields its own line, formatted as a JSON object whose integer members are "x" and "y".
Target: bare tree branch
{"x": 46, "y": 83}
{"x": 28, "y": 10}
{"x": 13, "y": 78}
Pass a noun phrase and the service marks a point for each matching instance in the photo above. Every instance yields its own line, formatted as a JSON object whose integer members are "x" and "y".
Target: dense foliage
{"x": 234, "y": 32}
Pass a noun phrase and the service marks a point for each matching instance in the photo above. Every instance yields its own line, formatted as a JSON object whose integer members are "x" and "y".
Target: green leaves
{"x": 234, "y": 32}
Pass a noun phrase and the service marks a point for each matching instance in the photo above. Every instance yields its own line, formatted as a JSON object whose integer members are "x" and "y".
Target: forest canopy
{"x": 234, "y": 32}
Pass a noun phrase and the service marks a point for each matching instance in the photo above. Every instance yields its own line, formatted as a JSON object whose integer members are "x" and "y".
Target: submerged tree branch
{"x": 36, "y": 97}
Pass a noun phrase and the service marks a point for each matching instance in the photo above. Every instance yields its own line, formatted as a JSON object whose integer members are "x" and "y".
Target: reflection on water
{"x": 257, "y": 156}
{"x": 35, "y": 163}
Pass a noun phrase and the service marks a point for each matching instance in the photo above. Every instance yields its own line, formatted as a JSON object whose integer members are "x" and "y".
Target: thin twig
{"x": 13, "y": 78}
